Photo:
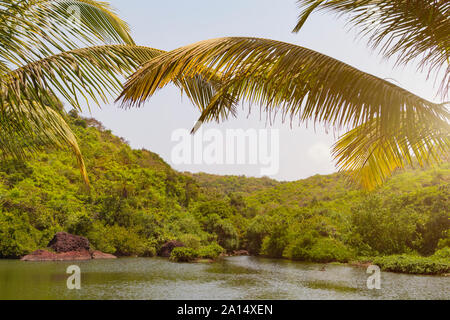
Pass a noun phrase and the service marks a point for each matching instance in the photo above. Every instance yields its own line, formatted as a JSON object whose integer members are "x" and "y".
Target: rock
{"x": 167, "y": 248}
{"x": 66, "y": 242}
{"x": 241, "y": 253}
{"x": 67, "y": 247}
{"x": 44, "y": 255}
{"x": 101, "y": 255}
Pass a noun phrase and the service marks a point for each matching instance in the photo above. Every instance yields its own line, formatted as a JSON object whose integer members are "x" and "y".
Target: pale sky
{"x": 171, "y": 24}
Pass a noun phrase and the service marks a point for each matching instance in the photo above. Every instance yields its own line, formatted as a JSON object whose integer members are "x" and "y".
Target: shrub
{"x": 227, "y": 235}
{"x": 257, "y": 230}
{"x": 443, "y": 253}
{"x": 321, "y": 250}
{"x": 274, "y": 245}
{"x": 213, "y": 251}
{"x": 190, "y": 241}
{"x": 183, "y": 254}
{"x": 17, "y": 237}
{"x": 387, "y": 226}
{"x": 119, "y": 240}
{"x": 413, "y": 264}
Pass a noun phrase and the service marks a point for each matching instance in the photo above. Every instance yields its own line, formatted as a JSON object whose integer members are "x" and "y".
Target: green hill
{"x": 137, "y": 202}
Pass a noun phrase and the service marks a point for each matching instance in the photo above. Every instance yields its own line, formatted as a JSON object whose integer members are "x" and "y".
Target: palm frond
{"x": 411, "y": 30}
{"x": 21, "y": 137}
{"x": 283, "y": 78}
{"x": 89, "y": 73}
{"x": 34, "y": 29}
{"x": 371, "y": 158}
{"x": 289, "y": 80}
{"x": 99, "y": 17}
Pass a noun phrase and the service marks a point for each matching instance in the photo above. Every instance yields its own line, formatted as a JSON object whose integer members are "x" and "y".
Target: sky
{"x": 303, "y": 151}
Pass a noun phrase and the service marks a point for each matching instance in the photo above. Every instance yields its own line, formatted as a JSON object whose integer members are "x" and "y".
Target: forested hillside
{"x": 136, "y": 203}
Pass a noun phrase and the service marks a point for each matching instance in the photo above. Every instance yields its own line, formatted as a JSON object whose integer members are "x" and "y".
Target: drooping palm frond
{"x": 411, "y": 30}
{"x": 31, "y": 30}
{"x": 283, "y": 78}
{"x": 97, "y": 16}
{"x": 287, "y": 79}
{"x": 21, "y": 137}
{"x": 371, "y": 158}
{"x": 89, "y": 73}
{"x": 33, "y": 34}
{"x": 92, "y": 73}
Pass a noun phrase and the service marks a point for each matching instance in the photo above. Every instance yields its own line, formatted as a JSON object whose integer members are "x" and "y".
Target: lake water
{"x": 231, "y": 278}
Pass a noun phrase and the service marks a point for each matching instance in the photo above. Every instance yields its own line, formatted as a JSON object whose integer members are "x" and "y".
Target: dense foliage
{"x": 137, "y": 203}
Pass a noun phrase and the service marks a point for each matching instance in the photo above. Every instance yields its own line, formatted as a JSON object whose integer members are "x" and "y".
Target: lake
{"x": 230, "y": 278}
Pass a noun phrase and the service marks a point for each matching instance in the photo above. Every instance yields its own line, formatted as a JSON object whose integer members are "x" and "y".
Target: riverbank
{"x": 68, "y": 247}
{"x": 403, "y": 264}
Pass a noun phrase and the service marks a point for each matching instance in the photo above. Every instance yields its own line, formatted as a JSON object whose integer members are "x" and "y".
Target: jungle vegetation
{"x": 137, "y": 202}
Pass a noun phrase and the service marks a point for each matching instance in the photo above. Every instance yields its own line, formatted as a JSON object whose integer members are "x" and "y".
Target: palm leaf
{"x": 30, "y": 33}
{"x": 34, "y": 29}
{"x": 411, "y": 30}
{"x": 289, "y": 80}
{"x": 22, "y": 137}
{"x": 90, "y": 74}
{"x": 283, "y": 78}
{"x": 371, "y": 158}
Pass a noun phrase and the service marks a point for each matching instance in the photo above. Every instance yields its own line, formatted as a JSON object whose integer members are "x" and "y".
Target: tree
{"x": 388, "y": 126}
{"x": 75, "y": 49}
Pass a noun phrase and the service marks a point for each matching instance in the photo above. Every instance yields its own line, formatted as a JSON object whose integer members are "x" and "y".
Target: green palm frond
{"x": 21, "y": 137}
{"x": 371, "y": 158}
{"x": 41, "y": 58}
{"x": 283, "y": 78}
{"x": 34, "y": 29}
{"x": 86, "y": 74}
{"x": 90, "y": 73}
{"x": 411, "y": 30}
{"x": 289, "y": 80}
{"x": 97, "y": 16}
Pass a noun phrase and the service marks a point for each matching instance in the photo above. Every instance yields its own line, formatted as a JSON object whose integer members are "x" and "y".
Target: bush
{"x": 257, "y": 230}
{"x": 120, "y": 241}
{"x": 213, "y": 251}
{"x": 227, "y": 235}
{"x": 413, "y": 264}
{"x": 17, "y": 237}
{"x": 190, "y": 241}
{"x": 274, "y": 245}
{"x": 443, "y": 253}
{"x": 183, "y": 254}
{"x": 387, "y": 226}
{"x": 321, "y": 250}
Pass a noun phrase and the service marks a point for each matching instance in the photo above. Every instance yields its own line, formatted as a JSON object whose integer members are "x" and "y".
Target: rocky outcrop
{"x": 167, "y": 248}
{"x": 44, "y": 255}
{"x": 241, "y": 253}
{"x": 67, "y": 247}
{"x": 101, "y": 255}
{"x": 66, "y": 242}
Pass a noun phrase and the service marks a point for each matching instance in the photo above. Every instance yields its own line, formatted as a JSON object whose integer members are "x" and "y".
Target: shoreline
{"x": 355, "y": 263}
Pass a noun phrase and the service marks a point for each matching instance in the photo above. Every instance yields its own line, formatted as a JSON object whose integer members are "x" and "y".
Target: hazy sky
{"x": 171, "y": 24}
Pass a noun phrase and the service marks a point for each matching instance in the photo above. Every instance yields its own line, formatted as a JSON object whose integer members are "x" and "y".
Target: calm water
{"x": 232, "y": 278}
